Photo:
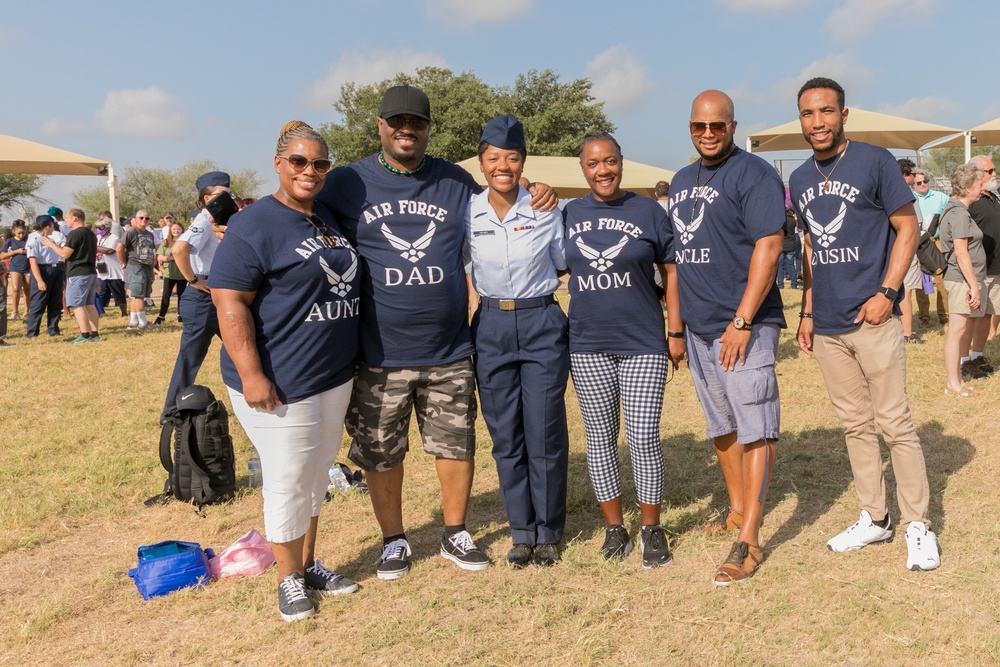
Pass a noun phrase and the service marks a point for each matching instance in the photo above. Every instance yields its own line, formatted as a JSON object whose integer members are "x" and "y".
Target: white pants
{"x": 298, "y": 444}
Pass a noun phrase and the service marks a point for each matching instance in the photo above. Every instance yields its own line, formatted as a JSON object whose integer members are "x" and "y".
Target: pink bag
{"x": 248, "y": 556}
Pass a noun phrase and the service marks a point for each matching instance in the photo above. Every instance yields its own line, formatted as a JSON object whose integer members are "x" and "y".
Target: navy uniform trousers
{"x": 522, "y": 364}
{"x": 201, "y": 325}
{"x": 47, "y": 301}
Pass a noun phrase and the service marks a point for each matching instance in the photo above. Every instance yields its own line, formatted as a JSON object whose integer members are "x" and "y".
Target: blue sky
{"x": 162, "y": 84}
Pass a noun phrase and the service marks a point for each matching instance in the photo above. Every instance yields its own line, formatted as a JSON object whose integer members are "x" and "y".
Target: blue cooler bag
{"x": 169, "y": 566}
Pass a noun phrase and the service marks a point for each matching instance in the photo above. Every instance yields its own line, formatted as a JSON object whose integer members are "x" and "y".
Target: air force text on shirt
{"x": 412, "y": 250}
{"x": 703, "y": 196}
{"x": 825, "y": 232}
{"x": 340, "y": 285}
{"x": 603, "y": 259}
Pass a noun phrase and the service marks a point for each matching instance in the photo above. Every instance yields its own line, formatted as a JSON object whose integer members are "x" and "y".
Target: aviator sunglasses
{"x": 717, "y": 127}
{"x": 298, "y": 162}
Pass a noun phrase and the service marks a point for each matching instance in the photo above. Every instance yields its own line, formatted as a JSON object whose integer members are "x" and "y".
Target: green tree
{"x": 942, "y": 161}
{"x": 162, "y": 190}
{"x": 556, "y": 115}
{"x": 19, "y": 189}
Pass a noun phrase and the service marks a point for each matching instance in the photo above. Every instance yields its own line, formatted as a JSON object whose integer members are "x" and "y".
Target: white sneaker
{"x": 921, "y": 548}
{"x": 860, "y": 535}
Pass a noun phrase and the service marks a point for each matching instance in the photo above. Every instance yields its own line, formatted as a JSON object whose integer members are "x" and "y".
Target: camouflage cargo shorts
{"x": 378, "y": 419}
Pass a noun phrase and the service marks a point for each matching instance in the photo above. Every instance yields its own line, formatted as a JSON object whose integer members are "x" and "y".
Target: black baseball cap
{"x": 405, "y": 99}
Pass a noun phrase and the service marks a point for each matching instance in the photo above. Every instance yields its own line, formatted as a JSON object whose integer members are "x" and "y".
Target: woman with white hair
{"x": 962, "y": 243}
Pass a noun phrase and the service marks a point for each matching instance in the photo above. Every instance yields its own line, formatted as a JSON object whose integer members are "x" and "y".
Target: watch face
{"x": 739, "y": 322}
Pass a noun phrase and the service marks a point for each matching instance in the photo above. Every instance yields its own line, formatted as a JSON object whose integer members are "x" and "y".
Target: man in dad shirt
{"x": 861, "y": 234}
{"x": 404, "y": 211}
{"x": 728, "y": 214}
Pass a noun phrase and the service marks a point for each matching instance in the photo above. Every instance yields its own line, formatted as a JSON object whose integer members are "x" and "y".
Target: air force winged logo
{"x": 824, "y": 235}
{"x": 340, "y": 284}
{"x": 602, "y": 260}
{"x": 413, "y": 252}
{"x": 687, "y": 231}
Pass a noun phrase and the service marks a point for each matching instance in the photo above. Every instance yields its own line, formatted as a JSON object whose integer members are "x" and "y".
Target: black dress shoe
{"x": 546, "y": 555}
{"x": 519, "y": 556}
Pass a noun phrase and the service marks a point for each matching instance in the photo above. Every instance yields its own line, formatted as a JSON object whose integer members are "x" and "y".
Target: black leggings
{"x": 170, "y": 285}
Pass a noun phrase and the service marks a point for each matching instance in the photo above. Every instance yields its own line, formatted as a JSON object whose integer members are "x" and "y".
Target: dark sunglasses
{"x": 320, "y": 226}
{"x": 320, "y": 164}
{"x": 717, "y": 127}
{"x": 990, "y": 171}
{"x": 921, "y": 182}
{"x": 398, "y": 123}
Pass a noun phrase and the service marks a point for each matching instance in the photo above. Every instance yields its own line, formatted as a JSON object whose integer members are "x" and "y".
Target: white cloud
{"x": 856, "y": 18}
{"x": 144, "y": 114}
{"x": 841, "y": 67}
{"x": 923, "y": 108}
{"x": 619, "y": 79}
{"x": 470, "y": 12}
{"x": 765, "y": 5}
{"x": 56, "y": 127}
{"x": 365, "y": 68}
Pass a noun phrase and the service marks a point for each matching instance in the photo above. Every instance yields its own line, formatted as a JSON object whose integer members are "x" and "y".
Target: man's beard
{"x": 991, "y": 185}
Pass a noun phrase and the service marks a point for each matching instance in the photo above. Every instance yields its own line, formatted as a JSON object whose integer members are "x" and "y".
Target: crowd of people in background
{"x": 357, "y": 296}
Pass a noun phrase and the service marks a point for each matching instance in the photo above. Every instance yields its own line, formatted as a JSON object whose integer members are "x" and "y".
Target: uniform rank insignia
{"x": 521, "y": 229}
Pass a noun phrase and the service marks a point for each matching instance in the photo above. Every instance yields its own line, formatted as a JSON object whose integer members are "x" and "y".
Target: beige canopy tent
{"x": 987, "y": 134}
{"x": 19, "y": 156}
{"x": 875, "y": 128}
{"x": 563, "y": 174}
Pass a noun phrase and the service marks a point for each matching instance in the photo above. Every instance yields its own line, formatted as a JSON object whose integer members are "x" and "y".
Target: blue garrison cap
{"x": 212, "y": 178}
{"x": 504, "y": 132}
{"x": 44, "y": 220}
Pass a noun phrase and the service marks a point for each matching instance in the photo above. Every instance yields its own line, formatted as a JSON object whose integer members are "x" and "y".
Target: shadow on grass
{"x": 812, "y": 467}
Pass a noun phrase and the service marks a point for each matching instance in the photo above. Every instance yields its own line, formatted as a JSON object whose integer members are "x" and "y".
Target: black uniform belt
{"x": 49, "y": 266}
{"x": 518, "y": 304}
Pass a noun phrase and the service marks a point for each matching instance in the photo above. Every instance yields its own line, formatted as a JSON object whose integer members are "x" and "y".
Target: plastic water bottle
{"x": 254, "y": 478}
{"x": 338, "y": 481}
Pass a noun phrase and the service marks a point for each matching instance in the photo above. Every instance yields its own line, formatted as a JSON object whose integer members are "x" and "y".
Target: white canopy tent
{"x": 20, "y": 156}
{"x": 987, "y": 134}
{"x": 875, "y": 128}
{"x": 563, "y": 174}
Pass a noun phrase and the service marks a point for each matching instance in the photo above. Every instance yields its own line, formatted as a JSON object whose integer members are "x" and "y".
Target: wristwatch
{"x": 741, "y": 324}
{"x": 193, "y": 281}
{"x": 888, "y": 293}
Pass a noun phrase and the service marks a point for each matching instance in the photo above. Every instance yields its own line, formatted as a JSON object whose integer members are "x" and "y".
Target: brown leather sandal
{"x": 741, "y": 564}
{"x": 721, "y": 526}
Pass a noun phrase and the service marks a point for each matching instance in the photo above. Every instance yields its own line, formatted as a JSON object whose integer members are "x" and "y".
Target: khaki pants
{"x": 924, "y": 303}
{"x": 865, "y": 375}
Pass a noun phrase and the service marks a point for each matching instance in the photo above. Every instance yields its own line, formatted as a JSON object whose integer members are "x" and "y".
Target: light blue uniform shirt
{"x": 42, "y": 253}
{"x": 203, "y": 243}
{"x": 516, "y": 258}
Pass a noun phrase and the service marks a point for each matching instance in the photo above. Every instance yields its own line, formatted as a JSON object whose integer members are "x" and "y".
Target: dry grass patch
{"x": 77, "y": 462}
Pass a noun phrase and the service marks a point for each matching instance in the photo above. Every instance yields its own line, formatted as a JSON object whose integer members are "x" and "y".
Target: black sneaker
{"x": 983, "y": 364}
{"x": 970, "y": 370}
{"x": 463, "y": 552}
{"x": 519, "y": 556}
{"x": 328, "y": 582}
{"x": 546, "y": 555}
{"x": 293, "y": 603}
{"x": 655, "y": 552}
{"x": 395, "y": 560}
{"x": 617, "y": 544}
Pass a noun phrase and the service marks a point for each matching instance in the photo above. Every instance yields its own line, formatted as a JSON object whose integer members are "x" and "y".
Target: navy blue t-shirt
{"x": 849, "y": 230}
{"x": 611, "y": 249}
{"x": 717, "y": 216}
{"x": 305, "y": 312}
{"x": 409, "y": 232}
{"x": 18, "y": 263}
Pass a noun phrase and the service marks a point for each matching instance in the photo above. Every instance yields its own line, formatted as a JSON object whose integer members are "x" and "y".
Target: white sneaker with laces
{"x": 922, "y": 551}
{"x": 861, "y": 534}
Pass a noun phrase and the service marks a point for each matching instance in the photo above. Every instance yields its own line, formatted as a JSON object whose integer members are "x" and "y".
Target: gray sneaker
{"x": 293, "y": 603}
{"x": 328, "y": 582}
{"x": 395, "y": 560}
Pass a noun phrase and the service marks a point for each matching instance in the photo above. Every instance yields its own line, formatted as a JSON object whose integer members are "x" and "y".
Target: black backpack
{"x": 203, "y": 469}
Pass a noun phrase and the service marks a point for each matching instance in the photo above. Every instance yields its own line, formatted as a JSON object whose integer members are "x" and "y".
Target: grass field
{"x": 78, "y": 443}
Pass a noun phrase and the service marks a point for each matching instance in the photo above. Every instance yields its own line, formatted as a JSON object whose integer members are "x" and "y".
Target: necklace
{"x": 401, "y": 172}
{"x": 698, "y": 186}
{"x": 826, "y": 177}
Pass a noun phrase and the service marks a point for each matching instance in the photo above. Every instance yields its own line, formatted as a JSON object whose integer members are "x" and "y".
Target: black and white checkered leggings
{"x": 601, "y": 380}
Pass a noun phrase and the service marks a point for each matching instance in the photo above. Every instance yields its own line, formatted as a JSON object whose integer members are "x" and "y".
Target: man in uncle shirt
{"x": 861, "y": 233}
